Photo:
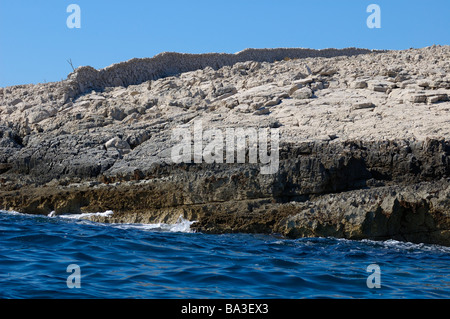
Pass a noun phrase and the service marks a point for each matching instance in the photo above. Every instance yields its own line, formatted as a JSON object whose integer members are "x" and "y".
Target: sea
{"x": 69, "y": 257}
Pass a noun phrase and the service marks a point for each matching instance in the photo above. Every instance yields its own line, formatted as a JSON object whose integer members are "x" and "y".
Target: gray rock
{"x": 363, "y": 105}
{"x": 262, "y": 111}
{"x": 303, "y": 93}
{"x": 361, "y": 84}
{"x": 294, "y": 88}
{"x": 118, "y": 143}
{"x": 378, "y": 86}
{"x": 116, "y": 113}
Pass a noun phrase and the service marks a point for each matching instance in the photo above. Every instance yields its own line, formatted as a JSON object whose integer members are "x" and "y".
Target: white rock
{"x": 423, "y": 83}
{"x": 363, "y": 105}
{"x": 303, "y": 93}
{"x": 359, "y": 84}
{"x": 117, "y": 143}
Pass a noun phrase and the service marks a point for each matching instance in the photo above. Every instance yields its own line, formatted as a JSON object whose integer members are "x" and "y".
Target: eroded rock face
{"x": 360, "y": 133}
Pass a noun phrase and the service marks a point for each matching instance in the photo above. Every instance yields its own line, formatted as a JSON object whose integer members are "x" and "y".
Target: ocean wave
{"x": 146, "y": 261}
{"x": 12, "y": 212}
{"x": 107, "y": 213}
{"x": 181, "y": 226}
{"x": 405, "y": 245}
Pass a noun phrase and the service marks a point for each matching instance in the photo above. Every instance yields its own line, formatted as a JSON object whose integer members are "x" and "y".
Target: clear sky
{"x": 35, "y": 41}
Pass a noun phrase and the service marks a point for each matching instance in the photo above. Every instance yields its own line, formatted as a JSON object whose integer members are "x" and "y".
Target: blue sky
{"x": 35, "y": 42}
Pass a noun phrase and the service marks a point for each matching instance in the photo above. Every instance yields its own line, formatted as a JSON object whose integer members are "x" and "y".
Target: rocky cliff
{"x": 364, "y": 142}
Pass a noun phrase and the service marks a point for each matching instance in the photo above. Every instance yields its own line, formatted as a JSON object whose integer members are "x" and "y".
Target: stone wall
{"x": 136, "y": 71}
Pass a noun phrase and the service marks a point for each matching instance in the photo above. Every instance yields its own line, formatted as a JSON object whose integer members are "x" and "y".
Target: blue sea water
{"x": 169, "y": 261}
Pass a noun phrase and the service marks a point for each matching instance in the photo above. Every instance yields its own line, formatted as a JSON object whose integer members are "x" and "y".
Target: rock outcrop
{"x": 364, "y": 142}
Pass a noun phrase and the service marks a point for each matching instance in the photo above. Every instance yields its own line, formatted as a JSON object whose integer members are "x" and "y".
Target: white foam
{"x": 107, "y": 213}
{"x": 182, "y": 226}
{"x": 404, "y": 245}
{"x": 11, "y": 212}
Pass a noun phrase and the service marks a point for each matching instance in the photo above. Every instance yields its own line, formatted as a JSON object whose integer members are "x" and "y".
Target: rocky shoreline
{"x": 364, "y": 143}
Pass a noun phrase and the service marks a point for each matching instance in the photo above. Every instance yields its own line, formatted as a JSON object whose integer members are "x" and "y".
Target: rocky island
{"x": 363, "y": 144}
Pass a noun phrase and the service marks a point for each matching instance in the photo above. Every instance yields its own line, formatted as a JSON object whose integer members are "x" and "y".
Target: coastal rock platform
{"x": 364, "y": 143}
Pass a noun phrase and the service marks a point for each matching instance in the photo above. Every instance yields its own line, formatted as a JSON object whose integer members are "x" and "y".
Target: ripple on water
{"x": 155, "y": 261}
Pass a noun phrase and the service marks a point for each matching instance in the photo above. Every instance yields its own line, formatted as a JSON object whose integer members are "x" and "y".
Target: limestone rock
{"x": 118, "y": 143}
{"x": 364, "y": 142}
{"x": 363, "y": 105}
{"x": 360, "y": 84}
{"x": 303, "y": 93}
